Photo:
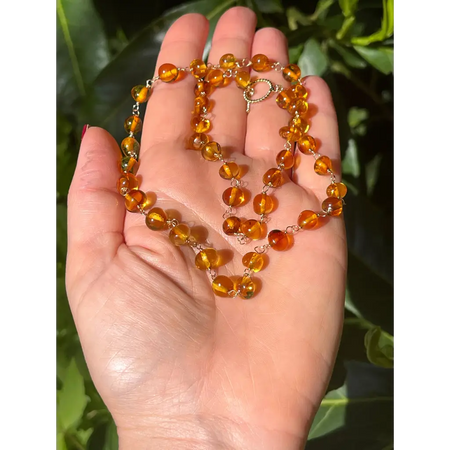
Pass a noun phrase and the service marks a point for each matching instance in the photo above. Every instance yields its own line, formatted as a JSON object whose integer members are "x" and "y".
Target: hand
{"x": 178, "y": 367}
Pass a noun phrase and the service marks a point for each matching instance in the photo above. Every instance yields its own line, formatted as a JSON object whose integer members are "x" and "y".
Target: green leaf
{"x": 295, "y": 18}
{"x": 372, "y": 173}
{"x": 321, "y": 10}
{"x": 380, "y": 347}
{"x": 82, "y": 50}
{"x": 346, "y": 26}
{"x": 313, "y": 60}
{"x": 111, "y": 439}
{"x": 71, "y": 398}
{"x": 348, "y": 7}
{"x": 350, "y": 163}
{"x": 382, "y": 58}
{"x": 65, "y": 159}
{"x": 269, "y": 6}
{"x": 60, "y": 442}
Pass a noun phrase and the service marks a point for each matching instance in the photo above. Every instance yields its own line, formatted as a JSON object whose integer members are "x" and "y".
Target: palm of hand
{"x": 160, "y": 346}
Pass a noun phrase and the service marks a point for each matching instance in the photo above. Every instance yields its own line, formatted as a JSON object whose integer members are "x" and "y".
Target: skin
{"x": 178, "y": 367}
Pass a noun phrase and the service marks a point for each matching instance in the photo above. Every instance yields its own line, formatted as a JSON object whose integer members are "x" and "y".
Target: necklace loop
{"x": 248, "y": 92}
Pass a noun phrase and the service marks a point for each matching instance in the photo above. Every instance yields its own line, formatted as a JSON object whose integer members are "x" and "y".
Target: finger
{"x": 95, "y": 209}
{"x": 234, "y": 34}
{"x": 266, "y": 118}
{"x": 168, "y": 113}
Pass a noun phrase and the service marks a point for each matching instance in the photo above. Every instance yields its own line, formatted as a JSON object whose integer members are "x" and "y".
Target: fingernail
{"x": 84, "y": 130}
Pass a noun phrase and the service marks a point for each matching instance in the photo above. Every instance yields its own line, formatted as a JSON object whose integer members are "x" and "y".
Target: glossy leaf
{"x": 269, "y": 6}
{"x": 350, "y": 57}
{"x": 381, "y": 58}
{"x": 350, "y": 164}
{"x": 380, "y": 347}
{"x": 313, "y": 60}
{"x": 348, "y": 7}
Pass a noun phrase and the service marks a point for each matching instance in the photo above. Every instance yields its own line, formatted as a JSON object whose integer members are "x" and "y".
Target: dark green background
{"x": 105, "y": 47}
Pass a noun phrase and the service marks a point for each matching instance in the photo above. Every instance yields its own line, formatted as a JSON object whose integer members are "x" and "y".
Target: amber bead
{"x": 202, "y": 88}
{"x": 200, "y": 124}
{"x": 127, "y": 182}
{"x": 233, "y": 196}
{"x": 307, "y": 144}
{"x": 229, "y": 170}
{"x": 130, "y": 147}
{"x": 133, "y": 124}
{"x": 262, "y": 204}
{"x": 292, "y": 73}
{"x": 322, "y": 165}
{"x": 231, "y": 226}
{"x": 285, "y": 99}
{"x": 252, "y": 229}
{"x": 128, "y": 164}
{"x": 300, "y": 123}
{"x": 286, "y": 158}
{"x": 179, "y": 234}
{"x": 211, "y": 151}
{"x": 242, "y": 79}
{"x": 260, "y": 63}
{"x": 201, "y": 104}
{"x": 135, "y": 198}
{"x": 156, "y": 219}
{"x": 221, "y": 285}
{"x": 273, "y": 177}
{"x": 228, "y": 61}
{"x": 332, "y": 206}
{"x": 167, "y": 73}
{"x": 246, "y": 287}
{"x": 197, "y": 141}
{"x": 278, "y": 240}
{"x": 307, "y": 220}
{"x": 299, "y": 91}
{"x": 215, "y": 77}
{"x": 140, "y": 93}
{"x": 299, "y": 106}
{"x": 198, "y": 68}
{"x": 254, "y": 261}
{"x": 291, "y": 134}
{"x": 337, "y": 190}
{"x": 206, "y": 259}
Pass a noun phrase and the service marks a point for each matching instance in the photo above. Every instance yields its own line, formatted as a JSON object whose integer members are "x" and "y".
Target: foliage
{"x": 350, "y": 44}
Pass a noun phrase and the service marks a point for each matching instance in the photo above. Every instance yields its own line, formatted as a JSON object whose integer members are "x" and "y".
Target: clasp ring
{"x": 249, "y": 92}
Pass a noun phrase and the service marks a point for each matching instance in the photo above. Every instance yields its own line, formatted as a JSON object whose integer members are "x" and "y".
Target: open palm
{"x": 177, "y": 366}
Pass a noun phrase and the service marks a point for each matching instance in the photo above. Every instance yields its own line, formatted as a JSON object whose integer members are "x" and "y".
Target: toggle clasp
{"x": 249, "y": 91}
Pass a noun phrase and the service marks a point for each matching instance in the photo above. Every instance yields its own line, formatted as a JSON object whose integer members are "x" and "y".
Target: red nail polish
{"x": 84, "y": 130}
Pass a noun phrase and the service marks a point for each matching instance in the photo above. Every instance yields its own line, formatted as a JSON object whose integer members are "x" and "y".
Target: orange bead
{"x": 140, "y": 93}
{"x": 284, "y": 99}
{"x": 278, "y": 240}
{"x": 246, "y": 287}
{"x": 242, "y": 79}
{"x": 128, "y": 164}
{"x": 201, "y": 105}
{"x": 198, "y": 68}
{"x": 233, "y": 196}
{"x": 130, "y": 147}
{"x": 292, "y": 73}
{"x": 291, "y": 134}
{"x": 260, "y": 63}
{"x": 231, "y": 226}
{"x": 252, "y": 229}
{"x": 179, "y": 234}
{"x": 299, "y": 91}
{"x": 133, "y": 124}
{"x": 200, "y": 124}
{"x": 211, "y": 151}
{"x": 322, "y": 165}
{"x": 156, "y": 219}
{"x": 307, "y": 144}
{"x": 254, "y": 261}
{"x": 307, "y": 220}
{"x": 222, "y": 285}
{"x": 168, "y": 72}
{"x": 207, "y": 259}
{"x": 202, "y": 88}
{"x": 228, "y": 61}
{"x": 127, "y": 182}
{"x": 134, "y": 199}
{"x": 299, "y": 106}
{"x": 300, "y": 123}
{"x": 273, "y": 177}
{"x": 262, "y": 204}
{"x": 332, "y": 206}
{"x": 215, "y": 77}
{"x": 229, "y": 170}
{"x": 285, "y": 158}
{"x": 337, "y": 190}
{"x": 197, "y": 141}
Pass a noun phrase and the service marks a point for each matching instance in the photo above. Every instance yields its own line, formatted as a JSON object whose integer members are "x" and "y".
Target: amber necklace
{"x": 293, "y": 99}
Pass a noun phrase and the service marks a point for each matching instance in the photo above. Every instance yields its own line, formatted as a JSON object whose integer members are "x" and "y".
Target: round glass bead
{"x": 284, "y": 99}
{"x": 215, "y": 77}
{"x": 197, "y": 141}
{"x": 291, "y": 134}
{"x": 231, "y": 226}
{"x": 133, "y": 124}
{"x": 202, "y": 88}
{"x": 201, "y": 105}
{"x": 128, "y": 164}
{"x": 300, "y": 123}
{"x": 156, "y": 219}
{"x": 200, "y": 124}
{"x": 135, "y": 198}
{"x": 252, "y": 229}
{"x": 233, "y": 196}
{"x": 299, "y": 106}
{"x": 211, "y": 151}
{"x": 273, "y": 177}
{"x": 179, "y": 234}
{"x": 286, "y": 158}
{"x": 127, "y": 182}
{"x": 307, "y": 220}
{"x": 229, "y": 170}
{"x": 242, "y": 79}
{"x": 292, "y": 73}
{"x": 332, "y": 206}
{"x": 167, "y": 72}
{"x": 246, "y": 287}
{"x": 198, "y": 68}
{"x": 299, "y": 91}
{"x": 206, "y": 259}
{"x": 130, "y": 147}
{"x": 221, "y": 285}
{"x": 322, "y": 165}
{"x": 260, "y": 63}
{"x": 228, "y": 61}
{"x": 140, "y": 93}
{"x": 306, "y": 144}
{"x": 337, "y": 190}
{"x": 262, "y": 203}
{"x": 278, "y": 240}
{"x": 254, "y": 261}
